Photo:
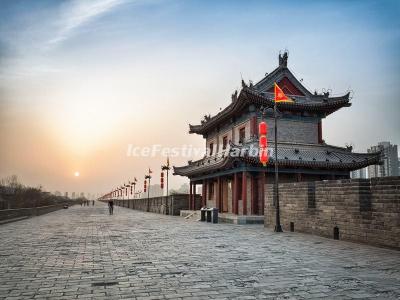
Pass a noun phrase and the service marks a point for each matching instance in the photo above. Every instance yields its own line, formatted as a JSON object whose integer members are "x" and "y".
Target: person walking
{"x": 111, "y": 207}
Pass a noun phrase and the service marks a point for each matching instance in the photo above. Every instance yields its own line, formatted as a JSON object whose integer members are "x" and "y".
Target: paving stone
{"x": 83, "y": 253}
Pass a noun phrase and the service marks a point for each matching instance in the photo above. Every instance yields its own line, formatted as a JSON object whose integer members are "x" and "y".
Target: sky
{"x": 82, "y": 81}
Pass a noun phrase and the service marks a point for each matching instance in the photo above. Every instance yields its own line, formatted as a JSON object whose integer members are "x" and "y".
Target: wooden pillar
{"x": 262, "y": 192}
{"x": 190, "y": 195}
{"x": 204, "y": 194}
{"x": 253, "y": 195}
{"x": 218, "y": 194}
{"x": 244, "y": 192}
{"x": 194, "y": 197}
{"x": 256, "y": 192}
{"x": 233, "y": 192}
{"x": 236, "y": 203}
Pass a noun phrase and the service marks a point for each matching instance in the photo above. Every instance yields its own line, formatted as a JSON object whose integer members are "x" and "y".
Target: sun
{"x": 76, "y": 174}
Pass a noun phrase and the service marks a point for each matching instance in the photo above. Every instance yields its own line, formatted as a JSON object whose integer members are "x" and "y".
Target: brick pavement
{"x": 83, "y": 253}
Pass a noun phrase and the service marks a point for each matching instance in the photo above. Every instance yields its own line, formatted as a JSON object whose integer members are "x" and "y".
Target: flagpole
{"x": 278, "y": 227}
{"x": 148, "y": 191}
{"x": 166, "y": 168}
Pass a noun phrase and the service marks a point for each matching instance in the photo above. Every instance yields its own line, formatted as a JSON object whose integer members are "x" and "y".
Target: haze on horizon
{"x": 82, "y": 80}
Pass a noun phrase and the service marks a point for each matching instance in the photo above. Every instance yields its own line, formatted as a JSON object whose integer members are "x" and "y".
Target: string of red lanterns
{"x": 126, "y": 189}
{"x": 263, "y": 142}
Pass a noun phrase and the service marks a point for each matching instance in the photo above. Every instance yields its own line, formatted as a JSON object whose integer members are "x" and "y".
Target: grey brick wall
{"x": 175, "y": 204}
{"x": 292, "y": 130}
{"x": 6, "y": 214}
{"x": 364, "y": 210}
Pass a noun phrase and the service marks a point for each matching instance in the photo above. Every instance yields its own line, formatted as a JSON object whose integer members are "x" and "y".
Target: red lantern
{"x": 264, "y": 156}
{"x": 162, "y": 180}
{"x": 263, "y": 142}
{"x": 262, "y": 128}
{"x": 145, "y": 186}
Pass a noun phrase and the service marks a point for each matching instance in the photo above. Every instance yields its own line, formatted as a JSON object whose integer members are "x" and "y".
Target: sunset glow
{"x": 102, "y": 77}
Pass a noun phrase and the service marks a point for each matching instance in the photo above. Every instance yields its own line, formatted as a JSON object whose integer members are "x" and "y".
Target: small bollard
{"x": 215, "y": 215}
{"x": 203, "y": 214}
{"x": 209, "y": 212}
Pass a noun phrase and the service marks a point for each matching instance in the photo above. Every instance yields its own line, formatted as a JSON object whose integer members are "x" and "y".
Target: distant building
{"x": 73, "y": 195}
{"x": 360, "y": 173}
{"x": 66, "y": 194}
{"x": 390, "y": 161}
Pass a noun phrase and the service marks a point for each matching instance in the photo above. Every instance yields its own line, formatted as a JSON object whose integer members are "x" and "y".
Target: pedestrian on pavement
{"x": 111, "y": 206}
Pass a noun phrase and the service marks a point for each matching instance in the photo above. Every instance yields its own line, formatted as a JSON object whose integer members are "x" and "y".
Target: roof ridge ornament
{"x": 234, "y": 96}
{"x": 206, "y": 118}
{"x": 283, "y": 59}
{"x": 349, "y": 147}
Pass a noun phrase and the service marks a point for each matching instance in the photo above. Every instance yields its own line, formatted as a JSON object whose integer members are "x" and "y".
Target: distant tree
{"x": 31, "y": 197}
{"x": 11, "y": 182}
{"x": 183, "y": 189}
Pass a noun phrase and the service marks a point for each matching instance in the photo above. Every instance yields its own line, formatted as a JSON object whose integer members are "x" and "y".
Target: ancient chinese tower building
{"x": 235, "y": 184}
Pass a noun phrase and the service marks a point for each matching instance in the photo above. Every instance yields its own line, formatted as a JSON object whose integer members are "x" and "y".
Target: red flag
{"x": 280, "y": 95}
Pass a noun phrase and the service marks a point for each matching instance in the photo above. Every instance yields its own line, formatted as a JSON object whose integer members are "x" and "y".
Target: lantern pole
{"x": 166, "y": 168}
{"x": 148, "y": 192}
{"x": 278, "y": 227}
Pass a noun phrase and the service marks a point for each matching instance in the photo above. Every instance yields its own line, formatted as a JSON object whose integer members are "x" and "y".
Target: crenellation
{"x": 365, "y": 210}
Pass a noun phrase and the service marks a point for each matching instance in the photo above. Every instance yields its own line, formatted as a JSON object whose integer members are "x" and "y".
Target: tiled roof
{"x": 249, "y": 95}
{"x": 310, "y": 156}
